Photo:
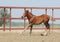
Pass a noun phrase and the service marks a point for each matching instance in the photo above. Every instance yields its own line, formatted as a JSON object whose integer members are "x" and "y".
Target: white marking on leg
{"x": 47, "y": 32}
{"x": 25, "y": 29}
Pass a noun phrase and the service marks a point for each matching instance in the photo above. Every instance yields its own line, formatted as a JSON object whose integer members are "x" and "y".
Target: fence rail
{"x": 30, "y": 7}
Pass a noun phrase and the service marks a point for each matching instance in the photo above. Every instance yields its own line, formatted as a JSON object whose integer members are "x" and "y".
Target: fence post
{"x": 31, "y": 10}
{"x": 46, "y": 11}
{"x": 52, "y": 18}
{"x": 10, "y": 20}
{"x": 4, "y": 19}
{"x": 24, "y": 20}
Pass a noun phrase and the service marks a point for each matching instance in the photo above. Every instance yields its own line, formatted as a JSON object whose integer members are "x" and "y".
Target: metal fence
{"x": 31, "y": 8}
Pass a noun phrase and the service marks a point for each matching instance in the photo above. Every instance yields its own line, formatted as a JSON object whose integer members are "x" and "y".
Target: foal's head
{"x": 25, "y": 13}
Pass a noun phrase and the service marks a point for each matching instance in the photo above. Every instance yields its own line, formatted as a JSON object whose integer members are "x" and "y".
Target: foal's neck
{"x": 29, "y": 16}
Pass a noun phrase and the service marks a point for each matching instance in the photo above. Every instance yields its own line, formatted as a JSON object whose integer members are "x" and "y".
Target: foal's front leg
{"x": 26, "y": 28}
{"x": 31, "y": 25}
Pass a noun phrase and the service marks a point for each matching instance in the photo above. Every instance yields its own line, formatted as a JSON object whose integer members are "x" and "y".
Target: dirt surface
{"x": 25, "y": 37}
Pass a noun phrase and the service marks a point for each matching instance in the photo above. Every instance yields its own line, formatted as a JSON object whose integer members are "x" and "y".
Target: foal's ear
{"x": 27, "y": 11}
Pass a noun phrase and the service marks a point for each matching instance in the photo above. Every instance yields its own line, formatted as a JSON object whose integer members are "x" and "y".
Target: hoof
{"x": 42, "y": 34}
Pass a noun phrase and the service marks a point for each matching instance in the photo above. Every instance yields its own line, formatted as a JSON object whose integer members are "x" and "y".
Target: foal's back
{"x": 40, "y": 19}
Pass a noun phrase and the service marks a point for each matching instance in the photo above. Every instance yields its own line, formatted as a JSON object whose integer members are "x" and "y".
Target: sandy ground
{"x": 11, "y": 36}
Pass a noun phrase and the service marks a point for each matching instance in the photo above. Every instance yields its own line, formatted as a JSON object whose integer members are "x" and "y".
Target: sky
{"x": 36, "y": 3}
{"x": 47, "y": 3}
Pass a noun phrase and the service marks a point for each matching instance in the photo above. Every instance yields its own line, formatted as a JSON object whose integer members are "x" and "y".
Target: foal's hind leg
{"x": 47, "y": 28}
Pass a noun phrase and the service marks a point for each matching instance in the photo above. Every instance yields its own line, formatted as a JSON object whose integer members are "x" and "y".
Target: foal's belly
{"x": 38, "y": 21}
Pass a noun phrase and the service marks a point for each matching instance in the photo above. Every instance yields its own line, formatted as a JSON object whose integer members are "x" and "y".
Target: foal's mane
{"x": 31, "y": 14}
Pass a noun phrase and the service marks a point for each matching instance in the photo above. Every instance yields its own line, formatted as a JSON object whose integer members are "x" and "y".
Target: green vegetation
{"x": 2, "y": 16}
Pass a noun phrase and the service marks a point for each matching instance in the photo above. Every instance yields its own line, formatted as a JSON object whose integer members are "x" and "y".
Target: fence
{"x": 31, "y": 8}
